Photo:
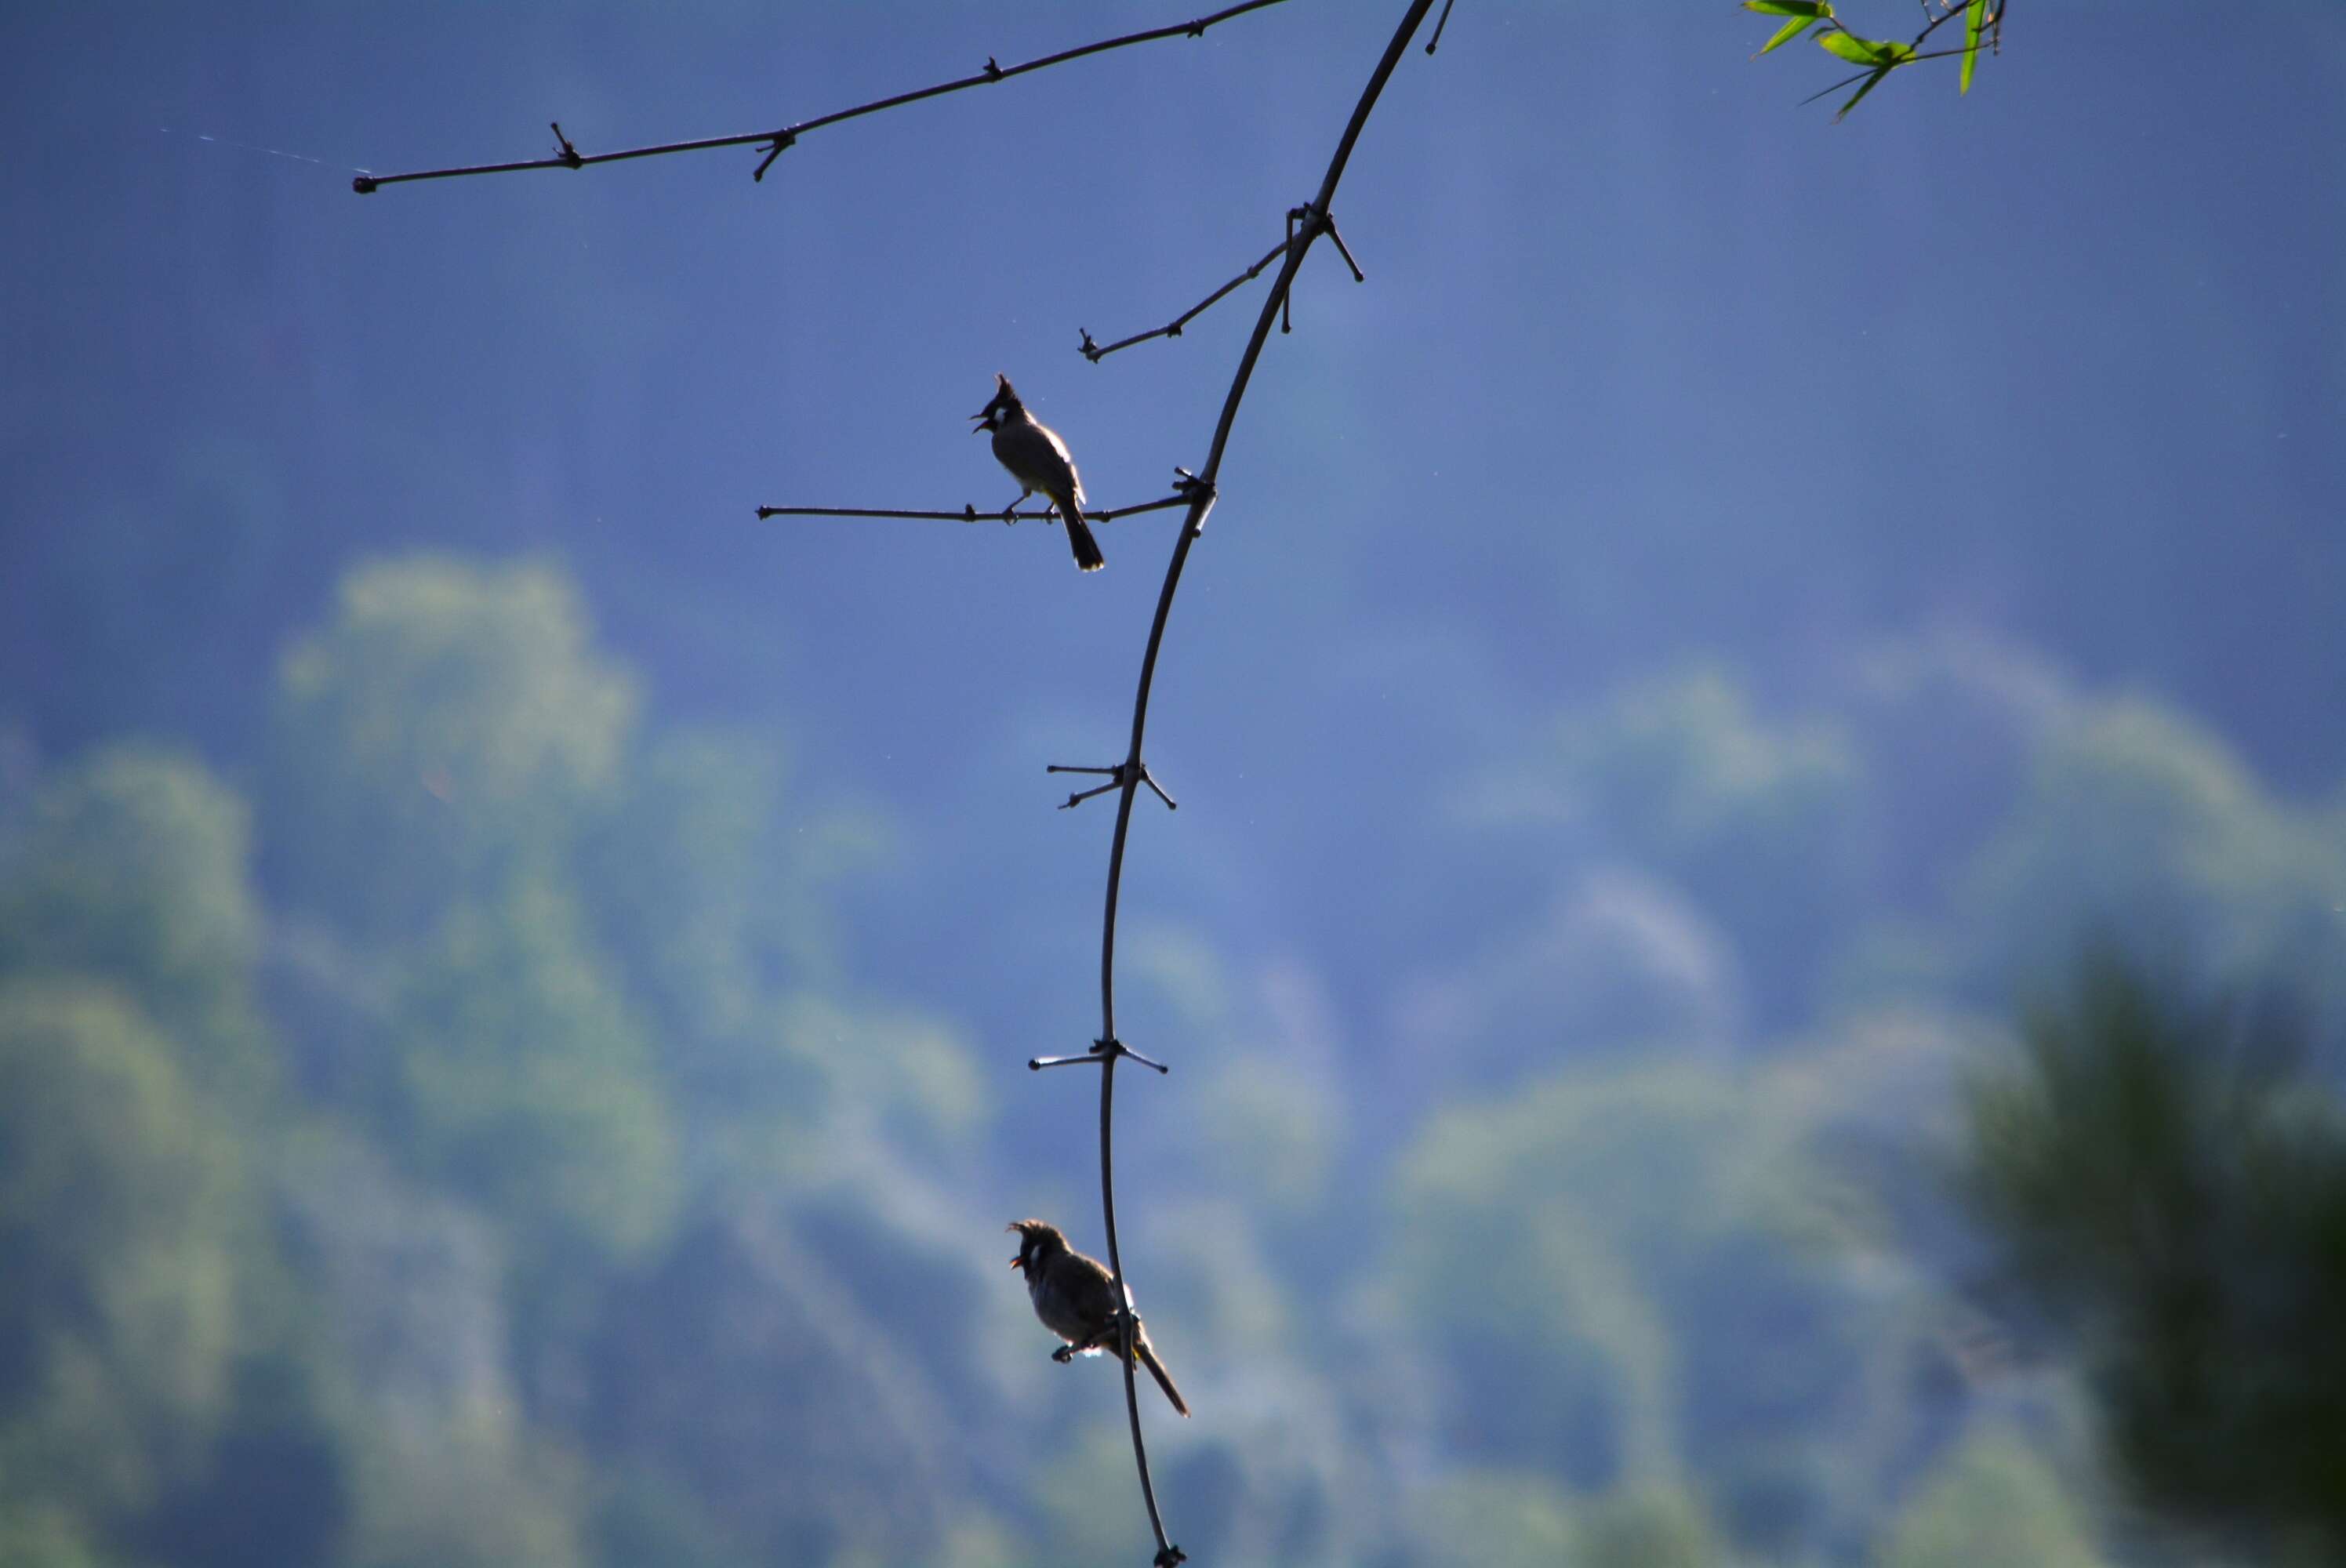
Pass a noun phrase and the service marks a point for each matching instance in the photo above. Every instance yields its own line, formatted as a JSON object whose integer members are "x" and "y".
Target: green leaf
{"x": 1814, "y": 10}
{"x": 1867, "y": 86}
{"x": 1882, "y": 52}
{"x": 1788, "y": 32}
{"x": 1973, "y": 19}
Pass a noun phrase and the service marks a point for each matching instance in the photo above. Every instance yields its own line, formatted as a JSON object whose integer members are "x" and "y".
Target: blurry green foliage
{"x": 608, "y": 1221}
{"x": 119, "y": 1206}
{"x": 526, "y": 1083}
{"x": 1654, "y": 1527}
{"x": 1495, "y": 1520}
{"x": 1616, "y": 1237}
{"x": 1993, "y": 1500}
{"x": 2143, "y": 830}
{"x": 45, "y": 1536}
{"x": 1748, "y": 817}
{"x": 2166, "y": 1189}
{"x": 133, "y": 868}
{"x": 479, "y": 1491}
{"x": 450, "y": 729}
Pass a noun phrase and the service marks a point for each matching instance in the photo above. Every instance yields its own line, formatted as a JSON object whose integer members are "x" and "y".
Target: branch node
{"x": 1170, "y": 1557}
{"x": 968, "y": 512}
{"x": 364, "y": 185}
{"x": 1090, "y": 350}
{"x": 781, "y": 143}
{"x": 1121, "y": 776}
{"x": 1196, "y": 30}
{"x": 993, "y": 71}
{"x": 569, "y": 155}
{"x": 1189, "y": 487}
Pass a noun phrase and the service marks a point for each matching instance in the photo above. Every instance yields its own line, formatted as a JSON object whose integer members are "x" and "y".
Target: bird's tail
{"x": 1079, "y": 533}
{"x": 1164, "y": 1379}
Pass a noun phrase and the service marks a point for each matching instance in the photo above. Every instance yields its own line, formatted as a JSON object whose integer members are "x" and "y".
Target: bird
{"x": 1074, "y": 1297}
{"x": 1037, "y": 458}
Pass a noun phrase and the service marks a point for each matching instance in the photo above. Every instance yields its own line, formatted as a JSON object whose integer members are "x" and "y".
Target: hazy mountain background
{"x": 515, "y": 976}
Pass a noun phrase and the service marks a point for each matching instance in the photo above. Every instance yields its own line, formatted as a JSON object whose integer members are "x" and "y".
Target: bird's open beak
{"x": 1017, "y": 1263}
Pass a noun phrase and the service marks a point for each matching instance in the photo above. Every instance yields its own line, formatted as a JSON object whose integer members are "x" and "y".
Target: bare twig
{"x": 777, "y": 141}
{"x": 1096, "y": 353}
{"x": 1296, "y": 218}
{"x": 969, "y": 513}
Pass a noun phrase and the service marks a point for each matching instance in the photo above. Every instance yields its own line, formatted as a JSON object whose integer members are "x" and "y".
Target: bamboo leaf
{"x": 1882, "y": 52}
{"x": 1973, "y": 19}
{"x": 1880, "y": 72}
{"x": 1788, "y": 32}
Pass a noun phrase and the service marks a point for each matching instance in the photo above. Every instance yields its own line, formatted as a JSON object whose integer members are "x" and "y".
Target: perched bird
{"x": 1076, "y": 1298}
{"x": 1038, "y": 460}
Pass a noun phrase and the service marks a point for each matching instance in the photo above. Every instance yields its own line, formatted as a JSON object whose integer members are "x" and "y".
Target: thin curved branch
{"x": 1314, "y": 222}
{"x": 776, "y": 142}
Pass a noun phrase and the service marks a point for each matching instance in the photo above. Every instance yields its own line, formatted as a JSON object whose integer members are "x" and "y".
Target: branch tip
{"x": 1435, "y": 42}
{"x": 1328, "y": 222}
{"x": 365, "y": 185}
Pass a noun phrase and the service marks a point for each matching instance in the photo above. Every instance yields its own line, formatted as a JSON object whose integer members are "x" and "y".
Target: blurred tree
{"x": 474, "y": 1491}
{"x": 1993, "y": 1500}
{"x": 738, "y": 1375}
{"x": 1493, "y": 1519}
{"x": 1682, "y": 777}
{"x": 1622, "y": 1275}
{"x": 1949, "y": 724}
{"x": 523, "y": 1079}
{"x": 1653, "y": 1527}
{"x": 132, "y": 867}
{"x": 450, "y": 729}
{"x": 2167, "y": 1195}
{"x": 119, "y": 1201}
{"x": 43, "y": 1535}
{"x": 2146, "y": 832}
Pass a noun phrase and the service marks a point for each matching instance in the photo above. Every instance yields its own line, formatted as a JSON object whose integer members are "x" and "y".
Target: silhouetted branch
{"x": 1196, "y": 492}
{"x": 1312, "y": 223}
{"x": 969, "y": 513}
{"x": 1096, "y": 353}
{"x": 777, "y": 141}
{"x": 1296, "y": 217}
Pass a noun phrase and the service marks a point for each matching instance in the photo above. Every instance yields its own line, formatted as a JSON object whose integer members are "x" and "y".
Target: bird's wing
{"x": 1075, "y": 479}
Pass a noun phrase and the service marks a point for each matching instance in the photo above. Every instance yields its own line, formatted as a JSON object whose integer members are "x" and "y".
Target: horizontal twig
{"x": 970, "y": 514}
{"x": 1096, "y": 353}
{"x": 776, "y": 141}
